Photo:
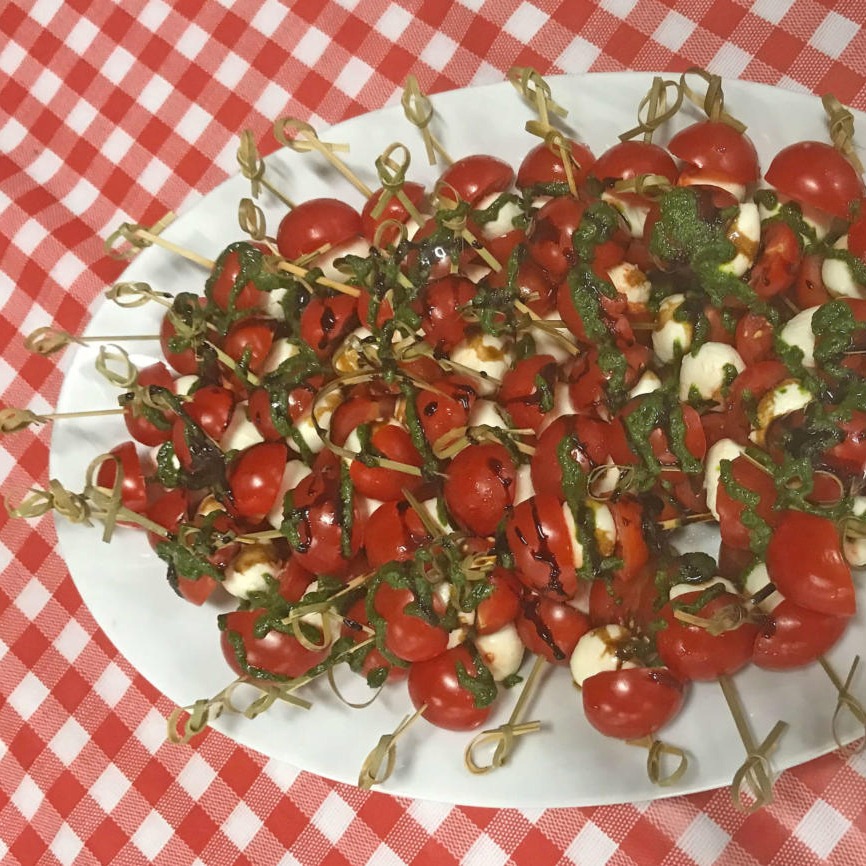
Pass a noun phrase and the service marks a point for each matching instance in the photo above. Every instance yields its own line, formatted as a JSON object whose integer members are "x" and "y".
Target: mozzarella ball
{"x": 487, "y": 355}
{"x": 787, "y": 397}
{"x": 597, "y": 651}
{"x": 706, "y": 370}
{"x": 240, "y": 432}
{"x": 724, "y": 449}
{"x": 502, "y": 651}
{"x": 744, "y": 232}
{"x": 251, "y": 569}
{"x": 798, "y": 333}
{"x": 679, "y": 589}
{"x": 757, "y": 579}
{"x": 671, "y": 337}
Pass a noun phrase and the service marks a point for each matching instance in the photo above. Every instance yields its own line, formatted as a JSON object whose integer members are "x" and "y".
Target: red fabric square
{"x": 722, "y": 17}
{"x": 433, "y": 854}
{"x": 71, "y": 689}
{"x": 65, "y": 794}
{"x": 30, "y": 646}
{"x": 646, "y": 844}
{"x": 197, "y": 828}
{"x": 381, "y": 814}
{"x": 106, "y": 840}
{"x": 335, "y": 858}
{"x": 762, "y": 834}
{"x": 26, "y": 746}
{"x": 779, "y": 48}
{"x": 536, "y": 850}
{"x": 286, "y": 822}
{"x": 11, "y": 18}
{"x": 153, "y": 781}
{"x": 29, "y": 846}
{"x": 240, "y": 771}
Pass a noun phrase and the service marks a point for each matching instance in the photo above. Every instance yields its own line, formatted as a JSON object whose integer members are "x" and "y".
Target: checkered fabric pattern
{"x": 122, "y": 111}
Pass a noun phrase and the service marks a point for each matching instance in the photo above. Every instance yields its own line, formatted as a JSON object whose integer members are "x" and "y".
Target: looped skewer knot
{"x": 251, "y": 219}
{"x": 655, "y": 106}
{"x": 72, "y": 506}
{"x": 123, "y": 377}
{"x": 132, "y": 294}
{"x": 845, "y": 700}
{"x": 304, "y": 137}
{"x": 504, "y": 737}
{"x": 529, "y": 84}
{"x": 379, "y": 764}
{"x": 419, "y": 112}
{"x": 46, "y": 341}
{"x": 392, "y": 175}
{"x": 755, "y": 775}
{"x": 656, "y": 752}
{"x": 841, "y": 122}
{"x": 713, "y": 101}
{"x": 251, "y": 163}
{"x": 13, "y": 420}
{"x": 727, "y": 618}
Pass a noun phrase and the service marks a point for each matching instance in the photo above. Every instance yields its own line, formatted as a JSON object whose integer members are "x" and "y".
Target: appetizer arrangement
{"x": 465, "y": 425}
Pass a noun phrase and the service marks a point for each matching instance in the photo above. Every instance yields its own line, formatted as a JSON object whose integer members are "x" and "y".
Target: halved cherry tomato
{"x": 441, "y": 305}
{"x": 394, "y": 211}
{"x": 715, "y": 153}
{"x": 778, "y": 264}
{"x": 628, "y": 159}
{"x": 393, "y": 533}
{"x": 795, "y": 636}
{"x": 253, "y": 338}
{"x": 445, "y": 406}
{"x": 326, "y": 321}
{"x": 474, "y": 177}
{"x": 317, "y": 223}
{"x": 759, "y": 484}
{"x": 254, "y": 478}
{"x": 753, "y": 339}
{"x": 549, "y": 241}
{"x": 385, "y": 483}
{"x": 409, "y": 635}
{"x": 479, "y": 487}
{"x": 133, "y": 487}
{"x": 631, "y": 703}
{"x": 353, "y": 622}
{"x": 144, "y": 423}
{"x": 550, "y": 628}
{"x": 502, "y": 605}
{"x": 544, "y": 165}
{"x": 527, "y": 390}
{"x": 227, "y": 287}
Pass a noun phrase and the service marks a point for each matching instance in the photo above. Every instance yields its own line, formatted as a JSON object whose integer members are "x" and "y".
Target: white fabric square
{"x": 151, "y": 731}
{"x": 311, "y": 46}
{"x": 119, "y": 62}
{"x": 112, "y": 685}
{"x": 109, "y": 789}
{"x": 5, "y": 552}
{"x": 155, "y": 175}
{"x": 525, "y": 22}
{"x": 821, "y": 828}
{"x": 353, "y": 76}
{"x": 486, "y": 74}
{"x": 71, "y": 641}
{"x": 195, "y": 778}
{"x": 192, "y": 41}
{"x": 27, "y": 797}
{"x": 704, "y": 840}
{"x": 438, "y": 51}
{"x": 12, "y": 134}
{"x": 45, "y": 88}
{"x": 67, "y": 269}
{"x": 154, "y": 94}
{"x": 272, "y": 102}
{"x": 68, "y": 742}
{"x": 153, "y": 834}
{"x": 333, "y": 817}
{"x": 80, "y": 197}
{"x": 591, "y": 847}
{"x": 34, "y": 596}
{"x": 791, "y": 84}
{"x": 153, "y": 15}
{"x": 673, "y": 30}
{"x": 116, "y": 146}
{"x": 289, "y": 859}
{"x": 81, "y": 36}
{"x": 283, "y": 775}
{"x": 28, "y": 696}
{"x": 269, "y": 17}
{"x": 833, "y": 34}
{"x": 393, "y": 21}
{"x": 772, "y": 10}
{"x": 231, "y": 70}
{"x": 620, "y": 8}
{"x": 193, "y": 124}
{"x": 81, "y": 116}
{"x": 485, "y": 852}
{"x": 11, "y": 57}
{"x": 578, "y": 56}
{"x": 730, "y": 61}
{"x": 385, "y": 856}
{"x": 66, "y": 846}
{"x": 242, "y": 825}
{"x": 45, "y": 166}
{"x": 43, "y": 11}
{"x": 428, "y": 814}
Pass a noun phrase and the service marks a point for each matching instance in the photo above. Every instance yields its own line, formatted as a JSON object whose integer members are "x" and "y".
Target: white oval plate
{"x": 176, "y": 645}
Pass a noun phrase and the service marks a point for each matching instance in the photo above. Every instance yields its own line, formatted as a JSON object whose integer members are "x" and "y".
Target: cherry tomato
{"x": 393, "y": 442}
{"x": 816, "y": 175}
{"x": 849, "y": 456}
{"x": 409, "y": 636}
{"x": 184, "y": 362}
{"x": 550, "y": 240}
{"x": 261, "y": 408}
{"x": 795, "y": 636}
{"x": 629, "y": 159}
{"x": 394, "y": 211}
{"x": 631, "y": 703}
{"x": 588, "y": 382}
{"x": 809, "y": 289}
{"x": 326, "y": 322}
{"x": 753, "y": 339}
{"x": 255, "y": 476}
{"x": 168, "y": 508}
{"x": 532, "y": 281}
{"x": 316, "y": 223}
{"x": 626, "y": 601}
{"x": 445, "y": 407}
{"x": 479, "y": 487}
{"x": 631, "y": 546}
{"x": 544, "y": 165}
{"x": 758, "y": 483}
{"x": 145, "y": 424}
{"x": 692, "y": 653}
{"x": 550, "y": 628}
{"x": 393, "y": 533}
{"x": 805, "y": 562}
{"x": 133, "y": 487}
{"x": 527, "y": 390}
{"x": 360, "y": 407}
{"x": 778, "y": 264}
{"x": 251, "y": 337}
{"x": 502, "y": 605}
{"x": 229, "y": 286}
{"x": 715, "y": 152}
{"x": 475, "y": 177}
{"x": 353, "y": 622}
{"x": 441, "y": 304}
{"x": 210, "y": 409}
{"x": 273, "y": 654}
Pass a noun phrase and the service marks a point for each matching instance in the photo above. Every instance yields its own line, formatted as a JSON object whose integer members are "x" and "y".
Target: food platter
{"x": 176, "y": 646}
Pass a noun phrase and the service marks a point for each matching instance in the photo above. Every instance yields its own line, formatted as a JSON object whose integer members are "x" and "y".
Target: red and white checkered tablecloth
{"x": 122, "y": 111}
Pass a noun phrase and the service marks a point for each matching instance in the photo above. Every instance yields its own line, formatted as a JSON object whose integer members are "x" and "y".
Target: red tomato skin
{"x": 253, "y": 335}
{"x": 817, "y": 175}
{"x": 326, "y": 322}
{"x": 848, "y": 457}
{"x": 434, "y": 683}
{"x": 184, "y": 362}
{"x": 408, "y": 637}
{"x": 139, "y": 427}
{"x": 393, "y": 533}
{"x": 384, "y": 483}
{"x": 393, "y": 211}
{"x": 545, "y": 467}
{"x": 479, "y": 487}
{"x": 538, "y": 537}
{"x": 809, "y": 289}
{"x": 632, "y": 703}
{"x": 692, "y": 653}
{"x": 549, "y": 241}
{"x": 625, "y": 601}
{"x": 356, "y": 616}
{"x": 745, "y": 473}
{"x": 806, "y": 563}
{"x": 795, "y": 636}
{"x": 544, "y": 165}
{"x": 753, "y": 338}
{"x": 628, "y": 159}
{"x": 502, "y": 605}
{"x": 550, "y": 628}
{"x": 221, "y": 286}
{"x": 445, "y": 409}
{"x": 778, "y": 264}
{"x": 631, "y": 545}
{"x": 255, "y": 477}
{"x": 317, "y": 223}
{"x": 520, "y": 394}
{"x": 276, "y": 653}
{"x": 133, "y": 488}
{"x": 441, "y": 303}
{"x": 474, "y": 177}
{"x": 718, "y": 151}
{"x": 168, "y": 508}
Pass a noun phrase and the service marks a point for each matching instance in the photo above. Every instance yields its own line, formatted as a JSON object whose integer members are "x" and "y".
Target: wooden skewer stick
{"x": 253, "y": 169}
{"x": 47, "y": 341}
{"x": 419, "y": 112}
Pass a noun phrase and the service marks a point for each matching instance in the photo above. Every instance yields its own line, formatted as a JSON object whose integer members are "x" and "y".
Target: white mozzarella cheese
{"x": 356, "y": 247}
{"x": 545, "y": 344}
{"x": 705, "y": 370}
{"x": 787, "y": 397}
{"x": 347, "y": 357}
{"x": 633, "y": 208}
{"x": 240, "y": 432}
{"x": 744, "y": 233}
{"x": 281, "y": 350}
{"x": 737, "y": 190}
{"x": 294, "y": 472}
{"x": 184, "y": 385}
{"x": 679, "y": 589}
{"x": 576, "y": 546}
{"x": 798, "y": 332}
{"x": 504, "y": 221}
{"x": 273, "y": 307}
{"x": 325, "y": 408}
{"x": 251, "y": 569}
{"x": 757, "y": 579}
{"x": 484, "y": 354}
{"x": 605, "y": 527}
{"x": 838, "y": 276}
{"x": 629, "y": 280}
{"x": 671, "y": 337}
{"x": 465, "y": 619}
{"x": 485, "y": 412}
{"x": 724, "y": 449}
{"x": 502, "y": 651}
{"x": 647, "y": 383}
{"x": 597, "y": 650}
{"x": 327, "y": 622}
{"x": 523, "y": 488}
{"x": 853, "y": 546}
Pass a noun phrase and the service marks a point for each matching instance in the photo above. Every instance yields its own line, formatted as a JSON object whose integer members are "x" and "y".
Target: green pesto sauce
{"x": 759, "y": 529}
{"x": 481, "y": 684}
